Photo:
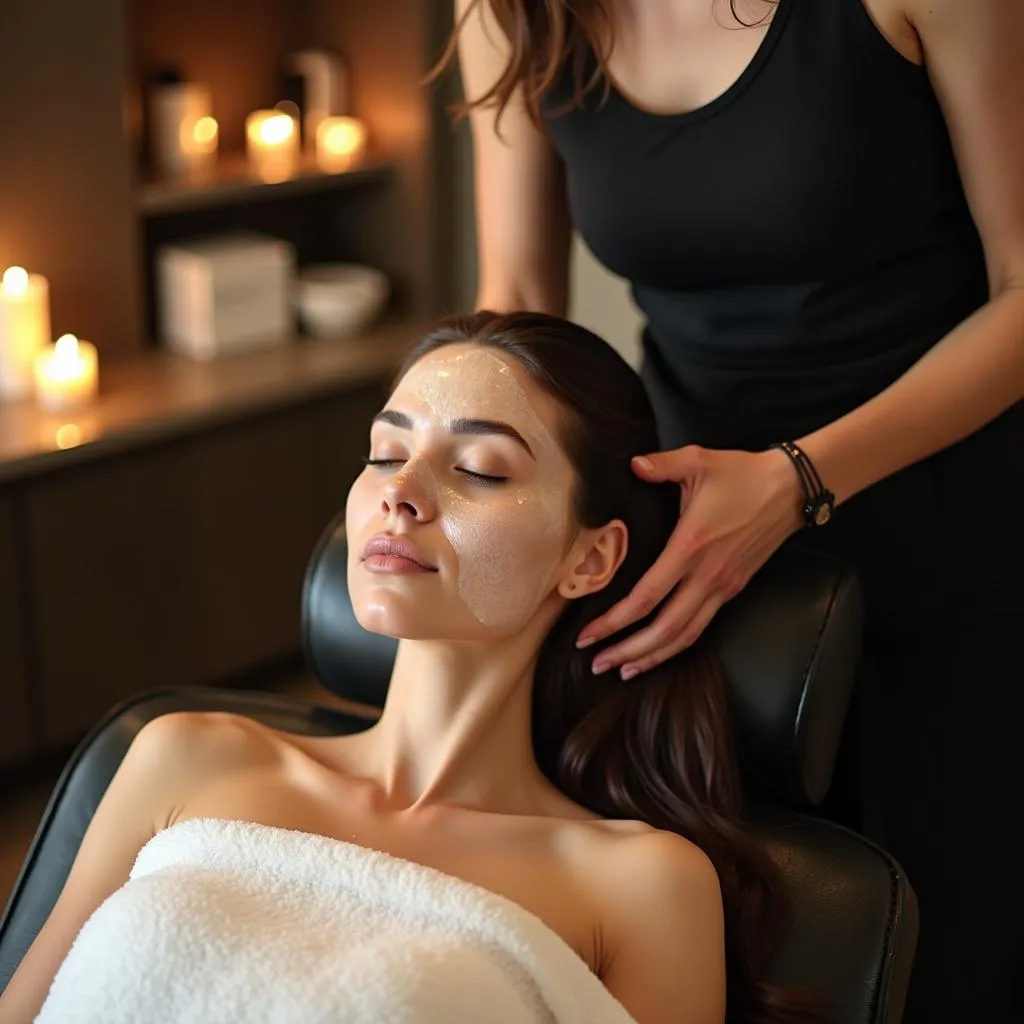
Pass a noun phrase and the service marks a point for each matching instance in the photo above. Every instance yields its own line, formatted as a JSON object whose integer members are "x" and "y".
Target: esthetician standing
{"x": 820, "y": 206}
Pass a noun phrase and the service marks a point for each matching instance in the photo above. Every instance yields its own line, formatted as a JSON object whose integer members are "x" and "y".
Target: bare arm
{"x": 668, "y": 963}
{"x": 523, "y": 229}
{"x": 973, "y": 55}
{"x": 741, "y": 507}
{"x": 137, "y": 804}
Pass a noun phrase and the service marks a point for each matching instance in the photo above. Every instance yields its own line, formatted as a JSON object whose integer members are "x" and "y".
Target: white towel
{"x": 229, "y": 921}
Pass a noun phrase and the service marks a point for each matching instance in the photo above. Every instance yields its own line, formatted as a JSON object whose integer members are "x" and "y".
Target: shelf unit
{"x": 77, "y": 205}
{"x": 233, "y": 183}
{"x": 160, "y": 539}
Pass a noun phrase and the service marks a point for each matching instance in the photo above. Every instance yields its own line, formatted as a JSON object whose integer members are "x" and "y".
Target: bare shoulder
{"x": 662, "y": 923}
{"x": 190, "y": 747}
{"x": 483, "y": 46}
{"x": 994, "y": 25}
{"x": 167, "y": 760}
{"x": 651, "y": 859}
{"x": 643, "y": 873}
{"x": 214, "y": 733}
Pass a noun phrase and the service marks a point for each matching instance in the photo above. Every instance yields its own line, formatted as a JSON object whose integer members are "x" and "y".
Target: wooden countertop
{"x": 158, "y": 395}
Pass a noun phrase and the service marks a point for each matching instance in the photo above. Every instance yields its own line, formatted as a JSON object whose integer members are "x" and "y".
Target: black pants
{"x": 932, "y": 767}
{"x": 938, "y": 752}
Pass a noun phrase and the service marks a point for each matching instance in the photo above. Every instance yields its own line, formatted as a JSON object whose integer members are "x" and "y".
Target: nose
{"x": 409, "y": 493}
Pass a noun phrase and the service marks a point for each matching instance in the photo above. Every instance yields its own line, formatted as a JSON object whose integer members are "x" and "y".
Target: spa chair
{"x": 789, "y": 644}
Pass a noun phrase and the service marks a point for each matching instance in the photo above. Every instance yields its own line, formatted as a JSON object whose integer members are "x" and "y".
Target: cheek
{"x": 505, "y": 553}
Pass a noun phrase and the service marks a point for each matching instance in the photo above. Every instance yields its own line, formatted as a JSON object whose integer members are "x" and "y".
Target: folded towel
{"x": 229, "y": 921}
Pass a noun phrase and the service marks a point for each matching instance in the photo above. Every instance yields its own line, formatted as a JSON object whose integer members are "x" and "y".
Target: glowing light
{"x": 15, "y": 281}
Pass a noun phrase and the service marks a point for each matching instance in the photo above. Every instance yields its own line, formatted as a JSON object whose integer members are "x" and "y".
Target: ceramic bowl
{"x": 338, "y": 300}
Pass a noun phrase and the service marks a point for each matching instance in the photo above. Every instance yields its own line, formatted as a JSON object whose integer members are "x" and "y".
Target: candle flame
{"x": 276, "y": 129}
{"x": 205, "y": 130}
{"x": 66, "y": 347}
{"x": 15, "y": 281}
{"x": 342, "y": 136}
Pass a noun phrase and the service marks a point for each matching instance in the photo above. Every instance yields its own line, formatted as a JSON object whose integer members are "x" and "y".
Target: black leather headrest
{"x": 789, "y": 644}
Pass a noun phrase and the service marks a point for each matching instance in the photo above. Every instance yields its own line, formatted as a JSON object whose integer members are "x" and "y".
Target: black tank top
{"x": 796, "y": 245}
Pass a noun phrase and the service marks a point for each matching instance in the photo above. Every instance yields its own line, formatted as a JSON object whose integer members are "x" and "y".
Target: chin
{"x": 388, "y": 622}
{"x": 381, "y": 610}
{"x": 400, "y": 617}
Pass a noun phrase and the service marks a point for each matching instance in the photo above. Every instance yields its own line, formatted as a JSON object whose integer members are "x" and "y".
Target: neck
{"x": 456, "y": 727}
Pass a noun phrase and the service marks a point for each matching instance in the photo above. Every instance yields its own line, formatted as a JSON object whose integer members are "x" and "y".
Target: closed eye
{"x": 482, "y": 478}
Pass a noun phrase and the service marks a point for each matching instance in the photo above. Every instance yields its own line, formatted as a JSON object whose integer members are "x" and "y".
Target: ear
{"x": 594, "y": 559}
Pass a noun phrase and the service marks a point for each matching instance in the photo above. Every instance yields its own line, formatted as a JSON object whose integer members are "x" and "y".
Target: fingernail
{"x": 600, "y": 666}
{"x": 644, "y": 464}
{"x": 585, "y": 642}
{"x": 629, "y": 672}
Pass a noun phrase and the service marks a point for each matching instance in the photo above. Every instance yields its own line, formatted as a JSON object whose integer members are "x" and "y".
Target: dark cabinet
{"x": 16, "y": 741}
{"x": 180, "y": 564}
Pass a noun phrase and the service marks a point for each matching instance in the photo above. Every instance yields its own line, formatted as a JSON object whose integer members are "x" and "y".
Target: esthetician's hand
{"x": 737, "y": 508}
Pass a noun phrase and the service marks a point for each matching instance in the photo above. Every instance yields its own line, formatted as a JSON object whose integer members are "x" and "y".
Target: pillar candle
{"x": 272, "y": 142}
{"x": 340, "y": 143}
{"x": 24, "y": 328}
{"x": 66, "y": 375}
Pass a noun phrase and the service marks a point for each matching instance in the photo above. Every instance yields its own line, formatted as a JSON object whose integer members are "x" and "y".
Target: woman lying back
{"x": 597, "y": 819}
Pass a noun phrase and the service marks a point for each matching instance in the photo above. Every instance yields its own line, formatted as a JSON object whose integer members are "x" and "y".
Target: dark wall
{"x": 66, "y": 193}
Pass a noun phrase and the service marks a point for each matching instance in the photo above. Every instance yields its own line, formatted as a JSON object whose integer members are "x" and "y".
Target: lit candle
{"x": 24, "y": 328}
{"x": 340, "y": 142}
{"x": 198, "y": 143}
{"x": 66, "y": 375}
{"x": 272, "y": 141}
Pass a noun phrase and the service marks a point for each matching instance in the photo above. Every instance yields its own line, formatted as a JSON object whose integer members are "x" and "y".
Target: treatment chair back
{"x": 789, "y": 644}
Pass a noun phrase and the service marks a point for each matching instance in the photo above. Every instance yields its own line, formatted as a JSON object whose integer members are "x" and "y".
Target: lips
{"x": 387, "y": 548}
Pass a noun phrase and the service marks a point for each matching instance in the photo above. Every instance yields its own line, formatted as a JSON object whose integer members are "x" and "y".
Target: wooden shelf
{"x": 233, "y": 181}
{"x": 159, "y": 395}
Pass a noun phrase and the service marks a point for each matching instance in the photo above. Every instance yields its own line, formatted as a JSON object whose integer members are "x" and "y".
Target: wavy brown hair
{"x": 660, "y": 749}
{"x": 547, "y": 37}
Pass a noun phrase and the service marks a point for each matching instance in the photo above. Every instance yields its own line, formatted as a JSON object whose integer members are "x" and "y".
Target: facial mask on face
{"x": 506, "y": 538}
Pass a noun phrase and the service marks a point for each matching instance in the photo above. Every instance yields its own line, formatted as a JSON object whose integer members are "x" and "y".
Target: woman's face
{"x": 469, "y": 476}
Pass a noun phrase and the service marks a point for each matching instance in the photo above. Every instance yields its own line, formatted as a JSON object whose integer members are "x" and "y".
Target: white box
{"x": 226, "y": 294}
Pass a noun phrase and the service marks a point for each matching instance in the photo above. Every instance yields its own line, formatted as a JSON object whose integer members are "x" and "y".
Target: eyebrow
{"x": 459, "y": 426}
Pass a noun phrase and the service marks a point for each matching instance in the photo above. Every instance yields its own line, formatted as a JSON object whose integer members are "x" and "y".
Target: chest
{"x": 520, "y": 863}
{"x": 803, "y": 149}
{"x": 677, "y": 56}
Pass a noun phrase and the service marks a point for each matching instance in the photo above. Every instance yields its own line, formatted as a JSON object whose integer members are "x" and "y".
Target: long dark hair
{"x": 546, "y": 37}
{"x": 659, "y": 748}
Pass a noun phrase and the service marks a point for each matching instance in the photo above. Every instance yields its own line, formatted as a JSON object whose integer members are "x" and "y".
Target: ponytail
{"x": 658, "y": 749}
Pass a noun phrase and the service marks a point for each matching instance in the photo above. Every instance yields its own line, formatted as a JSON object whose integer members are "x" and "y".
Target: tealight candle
{"x": 272, "y": 142}
{"x": 24, "y": 328}
{"x": 66, "y": 375}
{"x": 340, "y": 142}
